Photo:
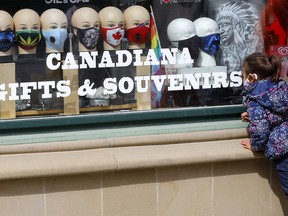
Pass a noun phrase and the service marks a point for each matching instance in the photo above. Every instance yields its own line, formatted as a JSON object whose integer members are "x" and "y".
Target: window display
{"x": 115, "y": 55}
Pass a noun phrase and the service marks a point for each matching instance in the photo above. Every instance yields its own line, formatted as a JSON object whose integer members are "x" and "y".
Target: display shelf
{"x": 105, "y": 108}
{"x": 82, "y": 110}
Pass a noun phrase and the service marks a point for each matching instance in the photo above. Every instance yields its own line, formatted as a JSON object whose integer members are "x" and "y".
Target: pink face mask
{"x": 113, "y": 36}
{"x": 138, "y": 34}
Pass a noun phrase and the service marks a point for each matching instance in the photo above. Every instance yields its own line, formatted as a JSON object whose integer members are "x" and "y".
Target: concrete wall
{"x": 183, "y": 174}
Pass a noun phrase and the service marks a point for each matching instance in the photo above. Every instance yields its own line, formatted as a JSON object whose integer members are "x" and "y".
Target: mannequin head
{"x": 182, "y": 34}
{"x": 54, "y": 29}
{"x": 112, "y": 27}
{"x": 27, "y": 28}
{"x": 209, "y": 41}
{"x": 137, "y": 22}
{"x": 180, "y": 29}
{"x": 86, "y": 24}
{"x": 6, "y": 33}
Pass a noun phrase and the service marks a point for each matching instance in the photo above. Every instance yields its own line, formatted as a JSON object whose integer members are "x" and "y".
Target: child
{"x": 266, "y": 97}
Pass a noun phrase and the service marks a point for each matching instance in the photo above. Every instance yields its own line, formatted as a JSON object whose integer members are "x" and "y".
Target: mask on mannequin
{"x": 27, "y": 31}
{"x": 6, "y": 40}
{"x": 28, "y": 39}
{"x": 190, "y": 43}
{"x": 54, "y": 29}
{"x": 85, "y": 23}
{"x": 113, "y": 36}
{"x": 137, "y": 22}
{"x": 210, "y": 44}
{"x": 112, "y": 27}
{"x": 88, "y": 37}
{"x": 55, "y": 38}
{"x": 138, "y": 34}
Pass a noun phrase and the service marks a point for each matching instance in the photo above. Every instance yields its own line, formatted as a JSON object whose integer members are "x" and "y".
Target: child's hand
{"x": 246, "y": 144}
{"x": 244, "y": 117}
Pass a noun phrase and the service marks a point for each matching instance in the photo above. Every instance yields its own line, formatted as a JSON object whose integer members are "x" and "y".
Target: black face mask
{"x": 191, "y": 44}
{"x": 88, "y": 37}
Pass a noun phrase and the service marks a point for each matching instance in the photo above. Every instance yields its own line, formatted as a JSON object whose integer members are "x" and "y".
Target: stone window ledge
{"x": 123, "y": 153}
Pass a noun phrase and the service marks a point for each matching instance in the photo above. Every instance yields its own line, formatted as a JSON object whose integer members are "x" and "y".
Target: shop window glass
{"x": 79, "y": 56}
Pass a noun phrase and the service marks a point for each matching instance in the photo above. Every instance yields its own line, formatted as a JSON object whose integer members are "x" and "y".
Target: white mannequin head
{"x": 27, "y": 25}
{"x": 137, "y": 23}
{"x": 180, "y": 29}
{"x": 112, "y": 27}
{"x": 206, "y": 27}
{"x": 86, "y": 20}
{"x": 6, "y": 24}
{"x": 54, "y": 29}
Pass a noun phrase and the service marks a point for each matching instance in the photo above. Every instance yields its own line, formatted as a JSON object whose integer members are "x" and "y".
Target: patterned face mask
{"x": 88, "y": 37}
{"x": 210, "y": 44}
{"x": 28, "y": 39}
{"x": 138, "y": 34}
{"x": 55, "y": 38}
{"x": 113, "y": 36}
{"x": 6, "y": 40}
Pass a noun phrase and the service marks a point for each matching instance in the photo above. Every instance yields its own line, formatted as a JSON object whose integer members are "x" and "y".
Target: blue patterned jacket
{"x": 267, "y": 107}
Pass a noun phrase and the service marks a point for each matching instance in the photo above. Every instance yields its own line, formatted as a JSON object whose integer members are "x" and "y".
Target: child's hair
{"x": 266, "y": 67}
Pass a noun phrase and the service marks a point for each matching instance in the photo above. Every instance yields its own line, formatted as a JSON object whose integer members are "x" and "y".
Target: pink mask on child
{"x": 247, "y": 83}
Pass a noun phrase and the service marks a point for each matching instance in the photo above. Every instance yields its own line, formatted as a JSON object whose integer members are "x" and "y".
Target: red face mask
{"x": 138, "y": 34}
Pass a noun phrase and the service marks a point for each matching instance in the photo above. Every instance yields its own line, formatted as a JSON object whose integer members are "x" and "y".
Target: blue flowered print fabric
{"x": 267, "y": 107}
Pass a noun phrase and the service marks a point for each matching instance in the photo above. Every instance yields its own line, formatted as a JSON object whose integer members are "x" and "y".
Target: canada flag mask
{"x": 113, "y": 36}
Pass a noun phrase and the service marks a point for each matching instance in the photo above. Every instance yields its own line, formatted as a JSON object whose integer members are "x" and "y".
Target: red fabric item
{"x": 275, "y": 23}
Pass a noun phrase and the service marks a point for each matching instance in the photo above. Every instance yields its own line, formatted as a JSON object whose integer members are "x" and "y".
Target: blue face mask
{"x": 210, "y": 44}
{"x": 6, "y": 40}
{"x": 55, "y": 38}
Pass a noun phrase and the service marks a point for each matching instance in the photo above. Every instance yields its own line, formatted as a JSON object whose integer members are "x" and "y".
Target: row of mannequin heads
{"x": 87, "y": 25}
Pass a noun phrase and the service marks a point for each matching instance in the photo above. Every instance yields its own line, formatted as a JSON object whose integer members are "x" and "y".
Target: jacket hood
{"x": 271, "y": 95}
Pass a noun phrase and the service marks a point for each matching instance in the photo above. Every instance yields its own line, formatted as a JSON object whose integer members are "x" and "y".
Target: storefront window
{"x": 77, "y": 56}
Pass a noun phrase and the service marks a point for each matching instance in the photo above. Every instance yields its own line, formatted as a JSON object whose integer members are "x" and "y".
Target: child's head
{"x": 265, "y": 67}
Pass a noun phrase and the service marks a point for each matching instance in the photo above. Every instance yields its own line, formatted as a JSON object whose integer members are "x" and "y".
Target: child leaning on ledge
{"x": 266, "y": 98}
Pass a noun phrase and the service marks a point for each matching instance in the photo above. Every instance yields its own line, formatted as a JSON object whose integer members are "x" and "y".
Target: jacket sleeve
{"x": 258, "y": 127}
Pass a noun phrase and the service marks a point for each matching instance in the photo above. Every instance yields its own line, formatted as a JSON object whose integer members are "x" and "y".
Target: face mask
{"x": 28, "y": 39}
{"x": 113, "y": 36}
{"x": 139, "y": 34}
{"x": 55, "y": 38}
{"x": 191, "y": 44}
{"x": 88, "y": 37}
{"x": 247, "y": 84}
{"x": 210, "y": 44}
{"x": 6, "y": 40}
